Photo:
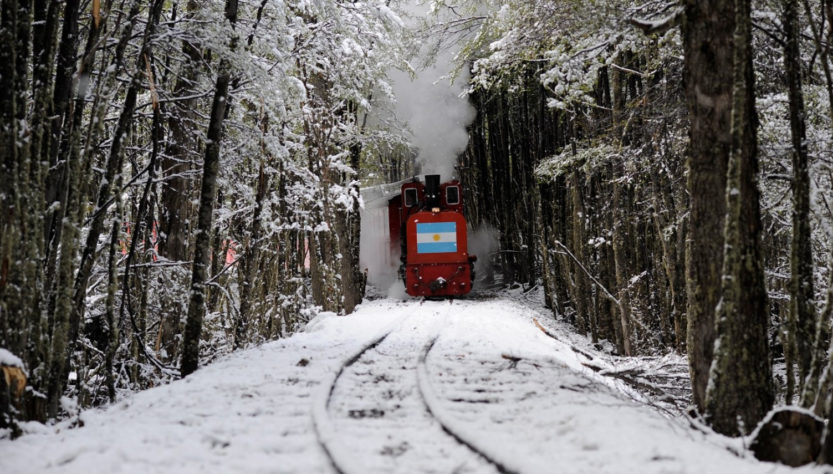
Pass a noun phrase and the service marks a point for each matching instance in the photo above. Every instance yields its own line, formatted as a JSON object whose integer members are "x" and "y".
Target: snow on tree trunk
{"x": 707, "y": 42}
{"x": 208, "y": 194}
{"x": 740, "y": 390}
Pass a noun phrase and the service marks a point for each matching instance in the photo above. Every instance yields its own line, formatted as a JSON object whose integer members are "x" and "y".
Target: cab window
{"x": 452, "y": 195}
{"x": 410, "y": 197}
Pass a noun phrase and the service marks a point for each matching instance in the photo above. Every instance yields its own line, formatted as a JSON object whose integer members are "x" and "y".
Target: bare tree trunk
{"x": 349, "y": 286}
{"x": 202, "y": 251}
{"x": 9, "y": 187}
{"x": 802, "y": 286}
{"x": 176, "y": 161}
{"x": 110, "y": 302}
{"x": 622, "y": 282}
{"x": 740, "y": 384}
{"x": 620, "y": 214}
{"x": 60, "y": 117}
{"x": 250, "y": 263}
{"x": 582, "y": 286}
{"x": 708, "y": 46}
{"x": 353, "y": 295}
{"x": 667, "y": 233}
{"x": 60, "y": 366}
{"x": 824, "y": 394}
{"x": 208, "y": 193}
{"x": 802, "y": 297}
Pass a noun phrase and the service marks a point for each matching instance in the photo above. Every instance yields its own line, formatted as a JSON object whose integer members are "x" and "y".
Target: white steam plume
{"x": 375, "y": 254}
{"x": 437, "y": 115}
{"x": 484, "y": 243}
{"x": 434, "y": 108}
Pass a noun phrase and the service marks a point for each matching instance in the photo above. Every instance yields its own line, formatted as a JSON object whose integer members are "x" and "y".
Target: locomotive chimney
{"x": 432, "y": 190}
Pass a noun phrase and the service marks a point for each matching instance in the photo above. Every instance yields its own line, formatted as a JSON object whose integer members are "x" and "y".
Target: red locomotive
{"x": 427, "y": 225}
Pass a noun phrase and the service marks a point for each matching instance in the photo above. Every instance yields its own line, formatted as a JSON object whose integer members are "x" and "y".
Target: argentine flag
{"x": 436, "y": 237}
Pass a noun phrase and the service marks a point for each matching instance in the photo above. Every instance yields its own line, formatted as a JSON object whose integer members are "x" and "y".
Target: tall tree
{"x": 802, "y": 297}
{"x": 740, "y": 384}
{"x": 824, "y": 396}
{"x": 70, "y": 314}
{"x": 817, "y": 382}
{"x": 9, "y": 187}
{"x": 707, "y": 28}
{"x": 250, "y": 260}
{"x": 208, "y": 194}
{"x": 176, "y": 161}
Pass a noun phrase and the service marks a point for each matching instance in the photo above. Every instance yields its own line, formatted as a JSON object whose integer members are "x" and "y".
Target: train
{"x": 428, "y": 230}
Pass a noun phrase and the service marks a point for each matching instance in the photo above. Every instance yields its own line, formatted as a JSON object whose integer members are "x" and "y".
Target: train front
{"x": 436, "y": 261}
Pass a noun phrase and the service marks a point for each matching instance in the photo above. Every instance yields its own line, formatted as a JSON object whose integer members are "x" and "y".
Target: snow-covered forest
{"x": 180, "y": 181}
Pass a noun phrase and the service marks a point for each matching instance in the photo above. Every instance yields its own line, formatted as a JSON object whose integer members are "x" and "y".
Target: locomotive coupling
{"x": 438, "y": 284}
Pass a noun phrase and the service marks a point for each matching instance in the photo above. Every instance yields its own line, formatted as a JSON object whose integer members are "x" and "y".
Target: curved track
{"x": 341, "y": 460}
{"x": 375, "y": 414}
{"x": 432, "y": 402}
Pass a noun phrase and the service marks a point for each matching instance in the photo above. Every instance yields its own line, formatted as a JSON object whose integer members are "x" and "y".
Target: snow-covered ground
{"x": 399, "y": 386}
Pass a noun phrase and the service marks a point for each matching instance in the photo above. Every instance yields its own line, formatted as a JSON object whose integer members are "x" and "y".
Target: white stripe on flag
{"x": 426, "y": 237}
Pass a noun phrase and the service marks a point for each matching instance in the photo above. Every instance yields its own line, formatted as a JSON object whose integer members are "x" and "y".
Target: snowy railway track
{"x": 341, "y": 461}
{"x": 433, "y": 402}
{"x": 378, "y": 413}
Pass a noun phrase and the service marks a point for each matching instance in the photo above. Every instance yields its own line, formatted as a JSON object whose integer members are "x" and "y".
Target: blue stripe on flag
{"x": 436, "y": 227}
{"x": 437, "y": 247}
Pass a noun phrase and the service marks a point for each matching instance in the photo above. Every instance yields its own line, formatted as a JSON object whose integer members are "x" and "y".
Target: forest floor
{"x": 465, "y": 386}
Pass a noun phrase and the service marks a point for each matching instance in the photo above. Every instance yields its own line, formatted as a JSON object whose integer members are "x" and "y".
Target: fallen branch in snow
{"x": 645, "y": 382}
{"x": 632, "y": 377}
{"x": 635, "y": 377}
{"x": 513, "y": 360}
{"x": 572, "y": 347}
